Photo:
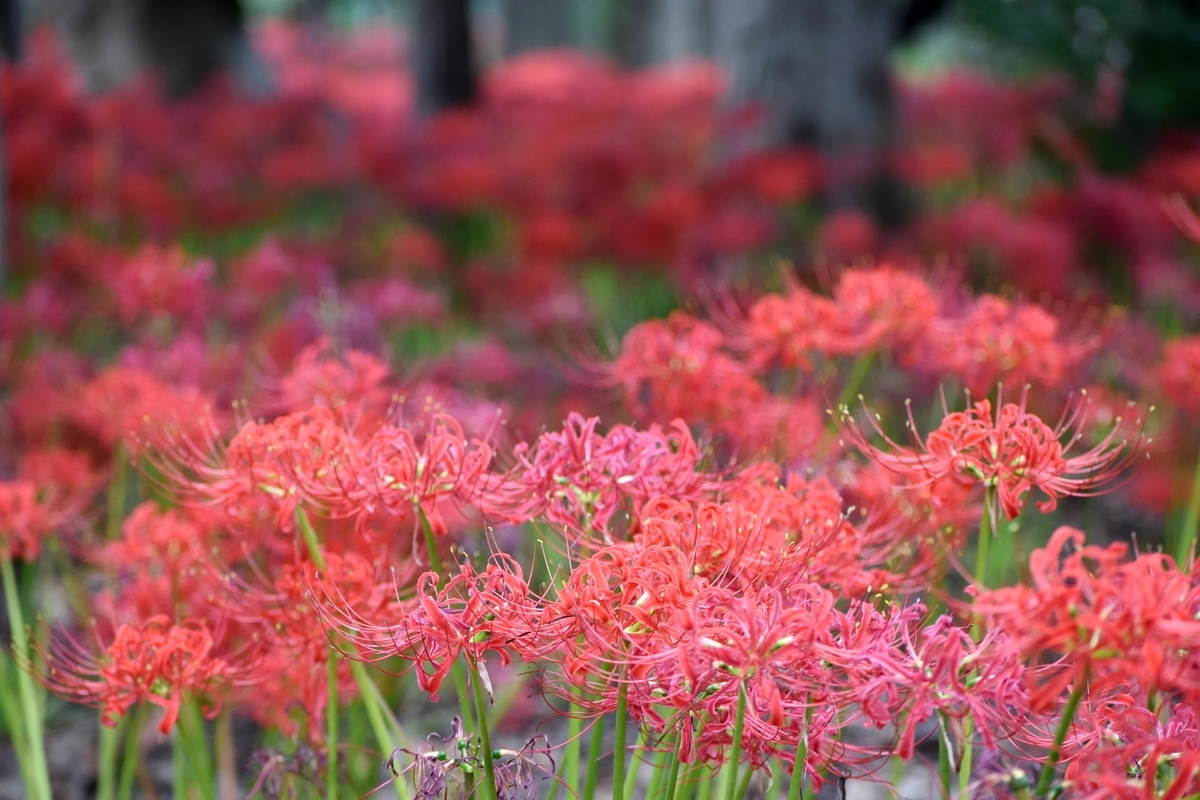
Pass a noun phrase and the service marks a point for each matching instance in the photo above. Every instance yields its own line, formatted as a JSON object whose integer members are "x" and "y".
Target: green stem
{"x": 985, "y": 536}
{"x": 106, "y": 758}
{"x": 944, "y": 756}
{"x": 200, "y": 767}
{"x": 858, "y": 373}
{"x": 706, "y": 787}
{"x": 133, "y": 750}
{"x": 968, "y": 754}
{"x": 594, "y": 749}
{"x": 799, "y": 768}
{"x": 744, "y": 786}
{"x": 12, "y": 717}
{"x": 1060, "y": 735}
{"x": 673, "y": 776}
{"x": 635, "y": 763}
{"x": 618, "y": 789}
{"x": 380, "y": 718}
{"x": 309, "y": 534}
{"x": 179, "y": 763}
{"x": 574, "y": 731}
{"x": 377, "y": 710}
{"x": 39, "y": 776}
{"x": 485, "y": 736}
{"x": 739, "y": 725}
{"x": 1191, "y": 521}
{"x": 117, "y": 492}
{"x": 331, "y": 727}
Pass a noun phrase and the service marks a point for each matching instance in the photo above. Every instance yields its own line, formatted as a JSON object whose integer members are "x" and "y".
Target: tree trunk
{"x": 10, "y": 29}
{"x": 655, "y": 32}
{"x": 445, "y": 62}
{"x": 182, "y": 41}
{"x": 820, "y": 69}
{"x": 10, "y": 42}
{"x": 537, "y": 24}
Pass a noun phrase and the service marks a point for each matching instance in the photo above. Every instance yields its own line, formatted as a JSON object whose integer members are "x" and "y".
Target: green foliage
{"x": 1153, "y": 42}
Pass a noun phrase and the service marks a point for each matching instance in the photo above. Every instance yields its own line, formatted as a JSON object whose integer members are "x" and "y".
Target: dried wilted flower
{"x": 279, "y": 773}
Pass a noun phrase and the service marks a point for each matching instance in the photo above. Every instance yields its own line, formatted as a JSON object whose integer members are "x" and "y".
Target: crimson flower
{"x": 579, "y": 478}
{"x": 1012, "y": 452}
{"x": 156, "y": 662}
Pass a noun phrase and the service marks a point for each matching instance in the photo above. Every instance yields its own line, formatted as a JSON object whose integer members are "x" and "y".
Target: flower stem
{"x": 968, "y": 753}
{"x": 673, "y": 776}
{"x": 574, "y": 731}
{"x": 117, "y": 492}
{"x": 799, "y": 767}
{"x": 1191, "y": 522}
{"x": 106, "y": 761}
{"x": 179, "y": 766}
{"x": 706, "y": 787}
{"x": 594, "y": 750}
{"x": 618, "y": 788}
{"x": 380, "y": 717}
{"x": 739, "y": 725}
{"x": 133, "y": 750}
{"x": 195, "y": 743}
{"x": 331, "y": 728}
{"x": 38, "y": 775}
{"x": 1060, "y": 735}
{"x": 858, "y": 373}
{"x": 484, "y": 736}
{"x": 377, "y": 711}
{"x": 635, "y": 762}
{"x": 985, "y": 536}
{"x": 944, "y": 756}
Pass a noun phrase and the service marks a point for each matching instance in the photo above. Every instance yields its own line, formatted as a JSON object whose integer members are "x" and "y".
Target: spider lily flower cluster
{"x": 662, "y": 572}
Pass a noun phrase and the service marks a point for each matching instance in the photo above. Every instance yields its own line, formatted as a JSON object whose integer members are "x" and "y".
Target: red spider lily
{"x": 284, "y": 613}
{"x": 942, "y": 670}
{"x": 157, "y": 281}
{"x": 1013, "y": 452}
{"x": 789, "y": 329}
{"x": 284, "y": 680}
{"x": 762, "y": 534}
{"x": 999, "y": 342}
{"x": 302, "y": 457}
{"x": 402, "y": 471}
{"x": 884, "y": 307}
{"x": 678, "y": 368}
{"x": 1179, "y": 373}
{"x": 131, "y": 406}
{"x": 1135, "y": 754}
{"x": 472, "y": 613}
{"x": 156, "y": 662}
{"x": 579, "y": 479}
{"x": 614, "y": 603}
{"x": 23, "y": 520}
{"x": 174, "y": 539}
{"x": 1123, "y": 623}
{"x": 726, "y": 640}
{"x": 353, "y": 385}
{"x": 51, "y": 493}
{"x": 910, "y": 528}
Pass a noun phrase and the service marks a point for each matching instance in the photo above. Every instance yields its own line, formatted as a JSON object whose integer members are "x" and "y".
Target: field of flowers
{"x": 573, "y": 446}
